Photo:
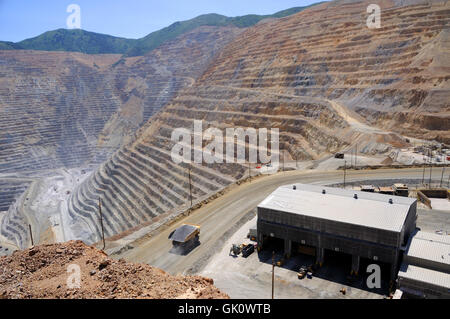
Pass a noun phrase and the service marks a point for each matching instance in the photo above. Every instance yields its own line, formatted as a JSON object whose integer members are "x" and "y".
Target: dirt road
{"x": 218, "y": 219}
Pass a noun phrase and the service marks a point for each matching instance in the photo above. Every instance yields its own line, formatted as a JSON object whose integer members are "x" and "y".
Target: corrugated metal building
{"x": 361, "y": 224}
{"x": 425, "y": 271}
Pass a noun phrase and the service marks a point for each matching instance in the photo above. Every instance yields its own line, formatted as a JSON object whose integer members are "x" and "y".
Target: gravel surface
{"x": 218, "y": 216}
{"x": 47, "y": 271}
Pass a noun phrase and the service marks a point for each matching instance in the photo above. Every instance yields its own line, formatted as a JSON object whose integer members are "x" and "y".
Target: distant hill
{"x": 5, "y": 45}
{"x": 77, "y": 40}
{"x": 155, "y": 39}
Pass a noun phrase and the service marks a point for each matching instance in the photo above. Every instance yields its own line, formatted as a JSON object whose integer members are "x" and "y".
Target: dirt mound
{"x": 49, "y": 271}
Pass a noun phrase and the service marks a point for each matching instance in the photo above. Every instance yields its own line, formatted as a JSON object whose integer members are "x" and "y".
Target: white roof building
{"x": 425, "y": 276}
{"x": 429, "y": 248}
{"x": 373, "y": 210}
{"x": 426, "y": 267}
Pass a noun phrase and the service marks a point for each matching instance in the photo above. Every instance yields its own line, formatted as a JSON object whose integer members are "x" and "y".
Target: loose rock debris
{"x": 74, "y": 270}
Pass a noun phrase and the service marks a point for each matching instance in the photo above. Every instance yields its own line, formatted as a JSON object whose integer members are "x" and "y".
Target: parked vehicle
{"x": 248, "y": 250}
{"x": 302, "y": 272}
{"x": 252, "y": 233}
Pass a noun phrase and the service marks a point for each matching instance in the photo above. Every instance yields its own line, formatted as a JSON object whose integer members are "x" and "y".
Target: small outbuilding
{"x": 425, "y": 271}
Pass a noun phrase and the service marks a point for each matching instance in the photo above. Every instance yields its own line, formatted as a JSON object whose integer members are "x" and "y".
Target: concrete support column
{"x": 355, "y": 265}
{"x": 393, "y": 274}
{"x": 320, "y": 252}
{"x": 287, "y": 248}
{"x": 259, "y": 238}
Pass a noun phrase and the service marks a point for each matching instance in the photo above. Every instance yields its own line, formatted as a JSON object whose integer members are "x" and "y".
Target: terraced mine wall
{"x": 321, "y": 77}
{"x": 396, "y": 76}
{"x": 47, "y": 122}
{"x": 139, "y": 185}
{"x": 72, "y": 110}
{"x": 10, "y": 190}
{"x": 312, "y": 75}
{"x": 60, "y": 109}
{"x": 141, "y": 182}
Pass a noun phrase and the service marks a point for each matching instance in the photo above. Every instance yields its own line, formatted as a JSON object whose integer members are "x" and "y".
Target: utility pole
{"x": 431, "y": 167}
{"x": 190, "y": 183}
{"x": 249, "y": 172}
{"x": 101, "y": 221}
{"x": 423, "y": 174}
{"x": 351, "y": 158}
{"x": 273, "y": 272}
{"x": 31, "y": 235}
{"x": 442, "y": 176}
{"x": 345, "y": 171}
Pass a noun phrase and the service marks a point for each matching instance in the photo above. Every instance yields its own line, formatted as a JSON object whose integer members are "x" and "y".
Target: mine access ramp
{"x": 185, "y": 234}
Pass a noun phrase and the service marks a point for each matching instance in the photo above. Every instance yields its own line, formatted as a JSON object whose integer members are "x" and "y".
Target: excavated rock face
{"x": 141, "y": 184}
{"x": 62, "y": 109}
{"x": 47, "y": 272}
{"x": 320, "y": 76}
{"x": 396, "y": 76}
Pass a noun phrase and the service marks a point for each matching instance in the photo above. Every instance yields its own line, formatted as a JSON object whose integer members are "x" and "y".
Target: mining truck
{"x": 185, "y": 235}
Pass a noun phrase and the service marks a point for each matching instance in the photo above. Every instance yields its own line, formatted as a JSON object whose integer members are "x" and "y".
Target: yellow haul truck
{"x": 185, "y": 235}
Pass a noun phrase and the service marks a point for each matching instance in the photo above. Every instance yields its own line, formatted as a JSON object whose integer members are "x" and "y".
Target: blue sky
{"x": 21, "y": 19}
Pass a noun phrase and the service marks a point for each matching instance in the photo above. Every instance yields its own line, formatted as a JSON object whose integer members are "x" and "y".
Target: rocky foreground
{"x": 48, "y": 271}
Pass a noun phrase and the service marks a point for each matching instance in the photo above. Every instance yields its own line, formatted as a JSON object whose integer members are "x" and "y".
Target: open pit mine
{"x": 78, "y": 130}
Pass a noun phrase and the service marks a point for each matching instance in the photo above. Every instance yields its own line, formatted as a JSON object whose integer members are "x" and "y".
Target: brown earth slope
{"x": 315, "y": 75}
{"x": 320, "y": 76}
{"x": 65, "y": 109}
{"x": 396, "y": 77}
{"x": 303, "y": 74}
{"x": 43, "y": 272}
